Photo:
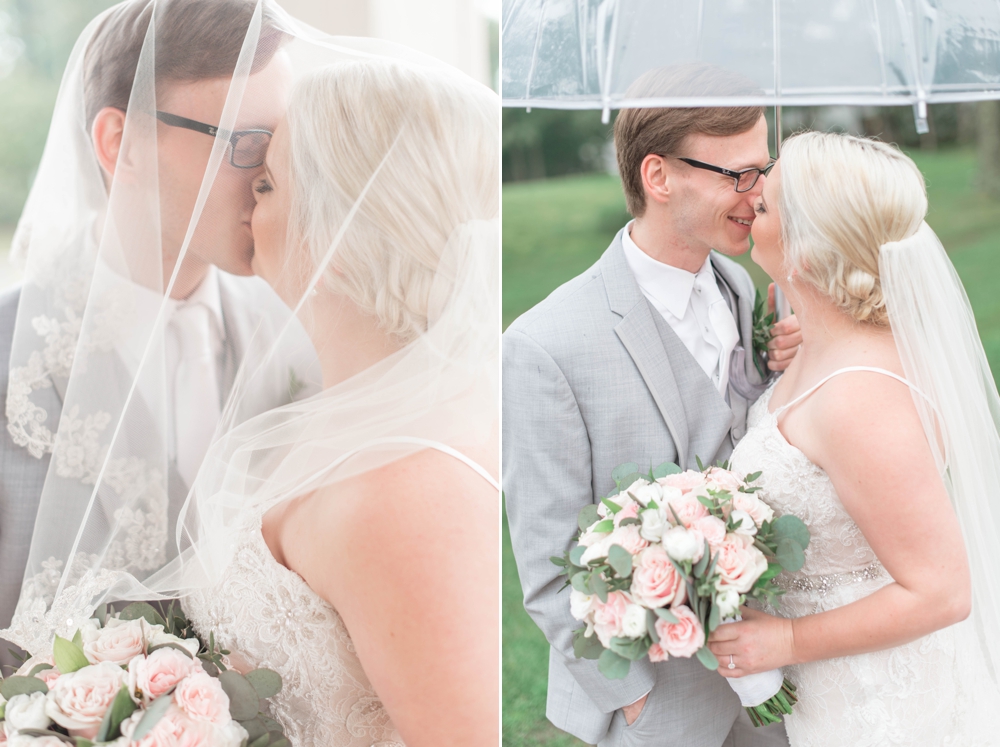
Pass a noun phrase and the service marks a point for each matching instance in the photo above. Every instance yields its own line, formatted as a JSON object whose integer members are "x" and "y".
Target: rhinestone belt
{"x": 824, "y": 584}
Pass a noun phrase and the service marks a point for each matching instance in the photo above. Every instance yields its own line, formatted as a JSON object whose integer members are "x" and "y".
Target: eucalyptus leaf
{"x": 612, "y": 506}
{"x": 586, "y": 647}
{"x": 555, "y": 560}
{"x": 243, "y": 701}
{"x": 702, "y": 564}
{"x": 270, "y": 724}
{"x": 631, "y": 478}
{"x": 15, "y": 685}
{"x": 701, "y": 466}
{"x": 667, "y": 468}
{"x": 281, "y": 742}
{"x": 773, "y": 569}
{"x": 266, "y": 682}
{"x": 121, "y": 708}
{"x": 39, "y": 668}
{"x": 713, "y": 618}
{"x": 255, "y": 728}
{"x": 753, "y": 476}
{"x": 613, "y": 666}
{"x": 791, "y": 527}
{"x": 599, "y": 586}
{"x": 576, "y": 555}
{"x": 651, "y": 626}
{"x": 143, "y": 610}
{"x": 82, "y": 742}
{"x": 707, "y": 658}
{"x": 621, "y": 560}
{"x": 68, "y": 656}
{"x": 605, "y": 527}
{"x": 630, "y": 648}
{"x": 630, "y": 520}
{"x": 262, "y": 741}
{"x": 619, "y": 473}
{"x": 706, "y": 502}
{"x": 665, "y": 614}
{"x": 581, "y": 582}
{"x": 588, "y": 516}
{"x": 789, "y": 554}
{"x": 154, "y": 712}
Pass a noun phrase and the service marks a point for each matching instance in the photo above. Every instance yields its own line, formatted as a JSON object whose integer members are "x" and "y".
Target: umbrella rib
{"x": 879, "y": 45}
{"x": 612, "y": 45}
{"x": 534, "y": 50}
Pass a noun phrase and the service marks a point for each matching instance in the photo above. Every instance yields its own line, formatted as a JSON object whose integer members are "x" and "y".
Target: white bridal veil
{"x": 393, "y": 164}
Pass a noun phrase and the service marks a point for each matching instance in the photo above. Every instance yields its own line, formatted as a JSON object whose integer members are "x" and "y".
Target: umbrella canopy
{"x": 585, "y": 54}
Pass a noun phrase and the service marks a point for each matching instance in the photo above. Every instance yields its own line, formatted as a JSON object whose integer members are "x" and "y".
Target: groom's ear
{"x": 655, "y": 178}
{"x": 106, "y": 134}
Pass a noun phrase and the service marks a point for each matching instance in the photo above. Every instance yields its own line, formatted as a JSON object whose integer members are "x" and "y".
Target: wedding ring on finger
{"x": 731, "y": 665}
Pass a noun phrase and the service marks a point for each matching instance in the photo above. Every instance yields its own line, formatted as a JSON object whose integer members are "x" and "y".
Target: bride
{"x": 371, "y": 585}
{"x": 881, "y": 436}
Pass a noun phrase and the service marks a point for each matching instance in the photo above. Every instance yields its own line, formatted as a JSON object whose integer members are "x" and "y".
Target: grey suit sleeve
{"x": 547, "y": 480}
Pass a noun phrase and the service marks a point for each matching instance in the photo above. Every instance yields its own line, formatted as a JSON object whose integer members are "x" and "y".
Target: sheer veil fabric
{"x": 942, "y": 356}
{"x": 405, "y": 228}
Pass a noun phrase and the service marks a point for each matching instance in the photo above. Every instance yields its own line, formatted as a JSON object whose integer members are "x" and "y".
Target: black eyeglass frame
{"x": 173, "y": 120}
{"x": 735, "y": 175}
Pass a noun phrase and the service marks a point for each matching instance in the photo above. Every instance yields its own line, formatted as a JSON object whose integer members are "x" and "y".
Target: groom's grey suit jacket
{"x": 594, "y": 377}
{"x": 246, "y": 303}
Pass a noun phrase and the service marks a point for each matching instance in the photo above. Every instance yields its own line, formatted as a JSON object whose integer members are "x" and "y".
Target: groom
{"x": 646, "y": 357}
{"x": 214, "y": 312}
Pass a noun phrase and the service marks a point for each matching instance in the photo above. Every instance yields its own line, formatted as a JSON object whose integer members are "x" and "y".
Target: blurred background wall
{"x": 36, "y": 37}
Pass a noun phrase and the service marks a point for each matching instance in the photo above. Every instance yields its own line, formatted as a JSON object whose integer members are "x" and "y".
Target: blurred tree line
{"x": 36, "y": 38}
{"x": 552, "y": 142}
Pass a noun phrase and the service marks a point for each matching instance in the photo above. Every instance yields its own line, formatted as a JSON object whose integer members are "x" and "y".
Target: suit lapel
{"x": 638, "y": 333}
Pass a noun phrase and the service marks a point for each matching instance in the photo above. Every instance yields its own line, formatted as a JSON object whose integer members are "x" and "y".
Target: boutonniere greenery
{"x": 761, "y": 333}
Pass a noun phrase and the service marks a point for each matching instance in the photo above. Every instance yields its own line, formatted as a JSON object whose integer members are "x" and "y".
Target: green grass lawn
{"x": 555, "y": 229}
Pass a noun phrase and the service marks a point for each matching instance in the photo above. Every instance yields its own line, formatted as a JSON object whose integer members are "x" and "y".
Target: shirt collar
{"x": 207, "y": 294}
{"x": 670, "y": 286}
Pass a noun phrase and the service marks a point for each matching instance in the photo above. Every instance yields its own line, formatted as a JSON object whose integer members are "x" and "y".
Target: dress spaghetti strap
{"x": 848, "y": 369}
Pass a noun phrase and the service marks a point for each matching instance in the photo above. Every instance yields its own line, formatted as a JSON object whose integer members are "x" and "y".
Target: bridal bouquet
{"x": 134, "y": 678}
{"x": 669, "y": 557}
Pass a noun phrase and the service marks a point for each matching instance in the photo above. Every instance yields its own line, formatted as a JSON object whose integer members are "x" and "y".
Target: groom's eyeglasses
{"x": 744, "y": 180}
{"x": 247, "y": 148}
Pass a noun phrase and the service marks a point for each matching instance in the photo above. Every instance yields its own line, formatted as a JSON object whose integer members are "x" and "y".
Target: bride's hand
{"x": 758, "y": 643}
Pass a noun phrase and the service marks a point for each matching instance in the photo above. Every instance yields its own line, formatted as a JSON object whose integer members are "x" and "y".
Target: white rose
{"x": 748, "y": 527}
{"x": 654, "y": 521}
{"x": 598, "y": 549}
{"x": 644, "y": 492}
{"x": 669, "y": 493}
{"x": 232, "y": 735}
{"x": 117, "y": 642}
{"x": 684, "y": 544}
{"x": 79, "y": 700}
{"x": 580, "y": 604}
{"x": 156, "y": 637}
{"x": 589, "y": 537}
{"x": 728, "y": 602}
{"x": 634, "y": 621}
{"x": 25, "y": 712}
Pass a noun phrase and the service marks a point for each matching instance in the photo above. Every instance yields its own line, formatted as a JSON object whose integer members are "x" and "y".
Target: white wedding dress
{"x": 270, "y": 617}
{"x": 910, "y": 695}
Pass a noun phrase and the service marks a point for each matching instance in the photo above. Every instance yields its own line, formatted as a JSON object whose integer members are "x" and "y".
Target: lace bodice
{"x": 270, "y": 617}
{"x": 915, "y": 694}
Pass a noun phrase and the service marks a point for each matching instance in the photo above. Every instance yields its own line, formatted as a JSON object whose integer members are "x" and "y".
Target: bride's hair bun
{"x": 841, "y": 198}
{"x": 433, "y": 138}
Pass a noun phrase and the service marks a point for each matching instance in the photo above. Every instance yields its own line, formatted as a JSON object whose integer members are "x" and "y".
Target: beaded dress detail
{"x": 912, "y": 694}
{"x": 270, "y": 617}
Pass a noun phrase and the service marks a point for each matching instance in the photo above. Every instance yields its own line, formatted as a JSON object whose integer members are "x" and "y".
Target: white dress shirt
{"x": 693, "y": 306}
{"x": 194, "y": 422}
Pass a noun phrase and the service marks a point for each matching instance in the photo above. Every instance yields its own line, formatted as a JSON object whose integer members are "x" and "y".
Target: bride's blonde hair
{"x": 440, "y": 147}
{"x": 843, "y": 197}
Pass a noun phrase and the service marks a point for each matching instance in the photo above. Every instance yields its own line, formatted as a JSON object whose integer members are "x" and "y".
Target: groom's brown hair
{"x": 640, "y": 132}
{"x": 195, "y": 40}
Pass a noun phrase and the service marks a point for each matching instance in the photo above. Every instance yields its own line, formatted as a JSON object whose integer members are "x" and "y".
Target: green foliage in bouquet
{"x": 245, "y": 692}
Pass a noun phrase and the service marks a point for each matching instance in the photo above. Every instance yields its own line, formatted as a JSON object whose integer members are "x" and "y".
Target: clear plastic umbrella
{"x": 584, "y": 54}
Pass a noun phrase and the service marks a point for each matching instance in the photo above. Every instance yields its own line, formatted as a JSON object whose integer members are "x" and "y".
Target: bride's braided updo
{"x": 841, "y": 198}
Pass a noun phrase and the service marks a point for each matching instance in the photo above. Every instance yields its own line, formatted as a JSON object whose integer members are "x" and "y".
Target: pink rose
{"x": 175, "y": 729}
{"x": 78, "y": 700}
{"x": 630, "y": 510}
{"x": 629, "y": 538}
{"x": 687, "y": 508}
{"x": 684, "y": 481}
{"x": 712, "y": 528}
{"x": 202, "y": 698}
{"x": 151, "y": 676}
{"x": 656, "y": 653}
{"x": 48, "y": 676}
{"x": 739, "y": 563}
{"x": 655, "y": 581}
{"x": 720, "y": 479}
{"x": 608, "y": 617}
{"x": 683, "y": 638}
{"x": 118, "y": 641}
{"x": 758, "y": 510}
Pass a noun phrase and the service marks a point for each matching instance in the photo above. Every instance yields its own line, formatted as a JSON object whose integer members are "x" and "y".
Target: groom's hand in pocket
{"x": 786, "y": 336}
{"x": 631, "y": 712}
